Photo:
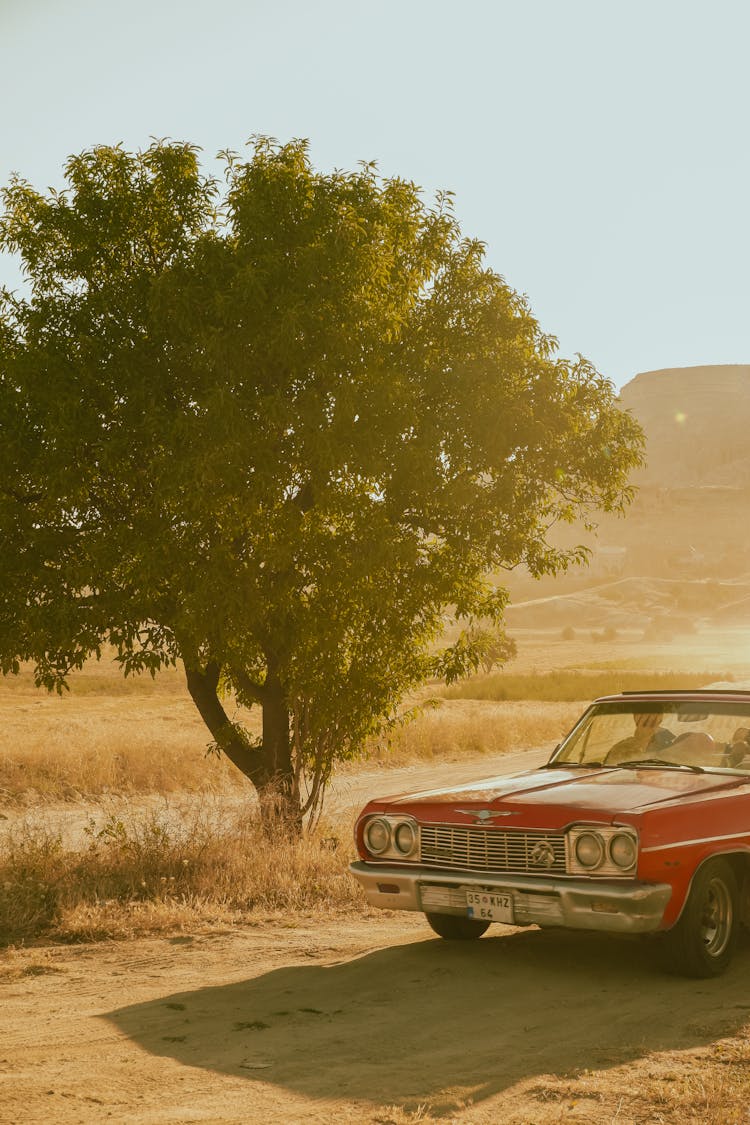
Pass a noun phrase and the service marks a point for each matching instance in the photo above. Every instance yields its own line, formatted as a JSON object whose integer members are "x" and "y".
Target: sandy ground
{"x": 360, "y": 1020}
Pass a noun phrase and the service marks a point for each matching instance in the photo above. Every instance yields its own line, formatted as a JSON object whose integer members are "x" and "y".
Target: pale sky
{"x": 600, "y": 149}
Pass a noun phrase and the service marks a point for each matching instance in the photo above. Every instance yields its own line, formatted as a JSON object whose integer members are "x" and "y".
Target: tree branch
{"x": 229, "y": 737}
{"x": 248, "y": 686}
{"x": 22, "y": 497}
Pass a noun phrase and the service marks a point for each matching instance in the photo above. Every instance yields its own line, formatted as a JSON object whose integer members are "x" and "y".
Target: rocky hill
{"x": 684, "y": 546}
{"x": 697, "y": 424}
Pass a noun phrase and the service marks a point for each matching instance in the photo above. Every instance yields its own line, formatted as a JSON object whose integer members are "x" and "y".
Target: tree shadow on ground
{"x": 434, "y": 1023}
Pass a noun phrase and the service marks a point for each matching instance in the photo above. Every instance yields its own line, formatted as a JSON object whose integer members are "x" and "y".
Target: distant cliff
{"x": 689, "y": 518}
{"x": 697, "y": 424}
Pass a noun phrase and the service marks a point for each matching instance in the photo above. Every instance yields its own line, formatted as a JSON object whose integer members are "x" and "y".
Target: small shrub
{"x": 608, "y": 633}
{"x": 29, "y": 878}
{"x": 499, "y": 649}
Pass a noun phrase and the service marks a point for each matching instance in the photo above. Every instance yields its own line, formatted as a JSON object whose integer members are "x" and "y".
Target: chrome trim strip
{"x": 699, "y": 840}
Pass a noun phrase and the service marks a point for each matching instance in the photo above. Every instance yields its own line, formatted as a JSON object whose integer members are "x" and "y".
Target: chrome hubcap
{"x": 716, "y": 918}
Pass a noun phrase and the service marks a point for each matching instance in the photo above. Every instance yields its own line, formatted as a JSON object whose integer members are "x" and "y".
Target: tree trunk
{"x": 277, "y": 791}
{"x": 202, "y": 685}
{"x": 269, "y": 766}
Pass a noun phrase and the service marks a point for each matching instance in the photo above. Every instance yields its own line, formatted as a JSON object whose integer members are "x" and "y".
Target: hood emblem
{"x": 483, "y": 815}
{"x": 542, "y": 854}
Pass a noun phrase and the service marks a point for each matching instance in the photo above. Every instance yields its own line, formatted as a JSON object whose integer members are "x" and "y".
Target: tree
{"x": 488, "y": 648}
{"x": 497, "y": 648}
{"x": 271, "y": 428}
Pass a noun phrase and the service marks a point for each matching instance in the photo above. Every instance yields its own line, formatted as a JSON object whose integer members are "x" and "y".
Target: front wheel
{"x": 701, "y": 943}
{"x": 453, "y": 927}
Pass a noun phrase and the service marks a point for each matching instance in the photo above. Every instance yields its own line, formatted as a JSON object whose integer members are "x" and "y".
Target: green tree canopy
{"x": 272, "y": 427}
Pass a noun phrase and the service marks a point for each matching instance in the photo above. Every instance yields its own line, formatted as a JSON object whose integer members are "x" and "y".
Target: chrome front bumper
{"x": 579, "y": 904}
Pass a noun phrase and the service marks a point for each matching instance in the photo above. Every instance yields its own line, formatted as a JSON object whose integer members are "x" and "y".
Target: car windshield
{"x": 688, "y": 734}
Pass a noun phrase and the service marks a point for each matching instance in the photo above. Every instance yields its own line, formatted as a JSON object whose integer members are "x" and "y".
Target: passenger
{"x": 738, "y": 748}
{"x": 694, "y": 748}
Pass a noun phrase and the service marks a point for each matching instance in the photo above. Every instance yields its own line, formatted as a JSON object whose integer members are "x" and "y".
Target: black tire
{"x": 703, "y": 940}
{"x": 453, "y": 927}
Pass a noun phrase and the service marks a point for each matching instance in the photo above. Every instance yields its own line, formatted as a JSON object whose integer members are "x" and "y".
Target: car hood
{"x": 610, "y": 791}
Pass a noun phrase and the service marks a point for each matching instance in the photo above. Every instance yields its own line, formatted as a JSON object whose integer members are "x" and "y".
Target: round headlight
{"x": 377, "y": 836}
{"x": 623, "y": 851}
{"x": 405, "y": 837}
{"x": 589, "y": 849}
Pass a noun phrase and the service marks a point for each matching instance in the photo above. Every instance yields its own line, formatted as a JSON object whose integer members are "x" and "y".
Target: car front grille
{"x": 492, "y": 849}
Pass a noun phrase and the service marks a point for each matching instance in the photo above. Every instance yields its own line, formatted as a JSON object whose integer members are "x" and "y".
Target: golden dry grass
{"x": 465, "y": 728}
{"x": 704, "y": 1086}
{"x": 110, "y": 735}
{"x": 725, "y": 647}
{"x": 567, "y": 684}
{"x": 90, "y": 744}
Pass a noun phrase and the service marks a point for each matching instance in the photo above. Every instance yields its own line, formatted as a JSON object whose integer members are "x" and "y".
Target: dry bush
{"x": 608, "y": 634}
{"x": 463, "y": 728}
{"x": 155, "y": 871}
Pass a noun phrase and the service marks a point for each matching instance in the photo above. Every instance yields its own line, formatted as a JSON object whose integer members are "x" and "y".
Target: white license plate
{"x": 486, "y": 907}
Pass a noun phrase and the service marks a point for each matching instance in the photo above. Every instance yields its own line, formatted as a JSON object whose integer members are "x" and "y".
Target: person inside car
{"x": 646, "y": 741}
{"x": 738, "y": 748}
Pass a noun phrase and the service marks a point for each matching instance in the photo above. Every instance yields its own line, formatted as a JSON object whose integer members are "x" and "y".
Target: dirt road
{"x": 362, "y": 1020}
{"x": 347, "y": 794}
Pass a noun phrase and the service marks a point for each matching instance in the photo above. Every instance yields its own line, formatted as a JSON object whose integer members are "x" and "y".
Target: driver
{"x": 648, "y": 738}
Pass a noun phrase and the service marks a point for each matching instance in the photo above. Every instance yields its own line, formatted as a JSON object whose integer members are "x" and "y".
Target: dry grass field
{"x": 112, "y": 735}
{"x": 260, "y": 937}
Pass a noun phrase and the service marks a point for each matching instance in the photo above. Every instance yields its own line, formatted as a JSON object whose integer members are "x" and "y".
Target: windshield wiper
{"x": 662, "y": 763}
{"x": 572, "y": 766}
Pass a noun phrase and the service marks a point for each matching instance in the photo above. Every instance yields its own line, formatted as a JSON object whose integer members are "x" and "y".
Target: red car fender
{"x": 678, "y": 865}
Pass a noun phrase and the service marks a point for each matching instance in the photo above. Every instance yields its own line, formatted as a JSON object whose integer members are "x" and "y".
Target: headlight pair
{"x": 394, "y": 837}
{"x": 602, "y": 851}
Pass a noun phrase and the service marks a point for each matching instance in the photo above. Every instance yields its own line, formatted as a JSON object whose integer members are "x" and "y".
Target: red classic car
{"x": 639, "y": 823}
